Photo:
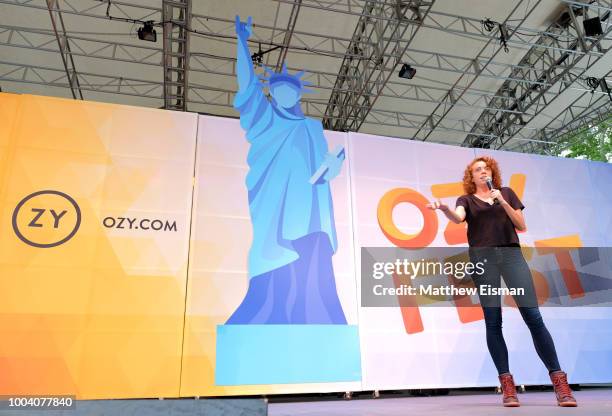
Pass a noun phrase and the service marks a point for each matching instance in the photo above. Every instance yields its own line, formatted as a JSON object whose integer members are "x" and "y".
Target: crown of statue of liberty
{"x": 270, "y": 77}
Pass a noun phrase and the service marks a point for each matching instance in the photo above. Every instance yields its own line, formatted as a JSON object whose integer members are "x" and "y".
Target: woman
{"x": 493, "y": 216}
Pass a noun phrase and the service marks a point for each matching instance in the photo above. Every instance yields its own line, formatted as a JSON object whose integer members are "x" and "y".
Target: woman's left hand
{"x": 495, "y": 194}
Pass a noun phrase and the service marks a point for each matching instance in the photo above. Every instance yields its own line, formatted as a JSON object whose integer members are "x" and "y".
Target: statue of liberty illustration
{"x": 291, "y": 276}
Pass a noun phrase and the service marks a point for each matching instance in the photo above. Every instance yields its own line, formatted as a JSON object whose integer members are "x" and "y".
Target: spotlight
{"x": 257, "y": 57}
{"x": 592, "y": 82}
{"x": 407, "y": 72}
{"x": 605, "y": 88}
{"x": 592, "y": 26}
{"x": 481, "y": 142}
{"x": 147, "y": 32}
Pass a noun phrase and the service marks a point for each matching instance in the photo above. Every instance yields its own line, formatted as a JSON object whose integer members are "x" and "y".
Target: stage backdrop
{"x": 218, "y": 279}
{"x": 567, "y": 205}
{"x": 116, "y": 282}
{"x": 94, "y": 231}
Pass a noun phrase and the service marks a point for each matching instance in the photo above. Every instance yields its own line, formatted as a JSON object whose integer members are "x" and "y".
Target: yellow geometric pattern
{"x": 101, "y": 315}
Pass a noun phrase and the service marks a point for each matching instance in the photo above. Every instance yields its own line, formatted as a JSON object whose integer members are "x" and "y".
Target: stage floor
{"x": 591, "y": 402}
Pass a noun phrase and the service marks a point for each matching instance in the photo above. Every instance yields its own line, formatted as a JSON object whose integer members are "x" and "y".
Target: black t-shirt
{"x": 489, "y": 225}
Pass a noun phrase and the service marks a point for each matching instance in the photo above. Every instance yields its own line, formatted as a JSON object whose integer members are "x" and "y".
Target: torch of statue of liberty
{"x": 291, "y": 276}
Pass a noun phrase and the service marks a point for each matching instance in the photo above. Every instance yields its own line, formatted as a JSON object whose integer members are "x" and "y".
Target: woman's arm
{"x": 516, "y": 215}
{"x": 457, "y": 216}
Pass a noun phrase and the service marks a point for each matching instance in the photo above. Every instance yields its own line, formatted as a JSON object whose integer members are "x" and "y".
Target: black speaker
{"x": 407, "y": 72}
{"x": 147, "y": 32}
{"x": 592, "y": 26}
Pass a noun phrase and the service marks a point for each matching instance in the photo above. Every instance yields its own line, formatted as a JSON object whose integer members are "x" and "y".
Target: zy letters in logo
{"x": 46, "y": 219}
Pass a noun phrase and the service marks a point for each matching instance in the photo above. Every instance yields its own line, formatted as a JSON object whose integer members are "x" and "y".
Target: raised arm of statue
{"x": 244, "y": 67}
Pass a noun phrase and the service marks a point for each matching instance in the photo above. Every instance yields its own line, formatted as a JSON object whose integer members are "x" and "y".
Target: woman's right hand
{"x": 244, "y": 30}
{"x": 438, "y": 205}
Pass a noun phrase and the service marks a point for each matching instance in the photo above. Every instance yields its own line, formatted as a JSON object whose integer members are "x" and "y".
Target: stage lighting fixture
{"x": 407, "y": 72}
{"x": 481, "y": 142}
{"x": 605, "y": 88}
{"x": 592, "y": 82}
{"x": 592, "y": 26}
{"x": 147, "y": 32}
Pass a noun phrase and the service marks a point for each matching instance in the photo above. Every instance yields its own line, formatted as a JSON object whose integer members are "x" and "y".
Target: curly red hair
{"x": 468, "y": 185}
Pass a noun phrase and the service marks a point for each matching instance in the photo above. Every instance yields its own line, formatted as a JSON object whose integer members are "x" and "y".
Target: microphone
{"x": 490, "y": 186}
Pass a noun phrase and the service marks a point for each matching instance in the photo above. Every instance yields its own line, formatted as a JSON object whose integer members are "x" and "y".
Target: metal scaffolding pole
{"x": 57, "y": 21}
{"x": 335, "y": 49}
{"x": 550, "y": 66}
{"x": 376, "y": 44}
{"x": 176, "y": 19}
{"x": 442, "y": 110}
{"x": 584, "y": 107}
{"x": 314, "y": 44}
{"x": 295, "y": 10}
{"x": 40, "y": 40}
{"x": 576, "y": 116}
{"x": 152, "y": 89}
{"x": 89, "y": 47}
{"x": 602, "y": 115}
{"x": 468, "y": 27}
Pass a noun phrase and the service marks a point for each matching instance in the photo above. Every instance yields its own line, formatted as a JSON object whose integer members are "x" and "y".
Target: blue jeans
{"x": 510, "y": 263}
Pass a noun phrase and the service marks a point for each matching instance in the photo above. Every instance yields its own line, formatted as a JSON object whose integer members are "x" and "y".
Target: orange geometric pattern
{"x": 101, "y": 315}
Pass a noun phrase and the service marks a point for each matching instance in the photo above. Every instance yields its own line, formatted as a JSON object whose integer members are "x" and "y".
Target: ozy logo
{"x": 46, "y": 219}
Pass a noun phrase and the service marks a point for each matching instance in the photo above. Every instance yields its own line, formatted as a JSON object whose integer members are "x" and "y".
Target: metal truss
{"x": 470, "y": 27}
{"x": 42, "y": 40}
{"x": 590, "y": 118}
{"x": 96, "y": 8}
{"x": 329, "y": 46}
{"x": 211, "y": 96}
{"x": 199, "y": 95}
{"x": 376, "y": 44}
{"x": 176, "y": 19}
{"x": 57, "y": 21}
{"x": 295, "y": 10}
{"x": 153, "y": 90}
{"x": 290, "y": 40}
{"x": 586, "y": 108}
{"x": 301, "y": 42}
{"x": 561, "y": 43}
{"x": 588, "y": 121}
{"x": 550, "y": 65}
{"x": 441, "y": 111}
{"x": 47, "y": 75}
{"x": 576, "y": 116}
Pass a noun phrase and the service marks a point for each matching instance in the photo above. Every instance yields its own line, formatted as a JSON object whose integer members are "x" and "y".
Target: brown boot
{"x": 509, "y": 390}
{"x": 562, "y": 389}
